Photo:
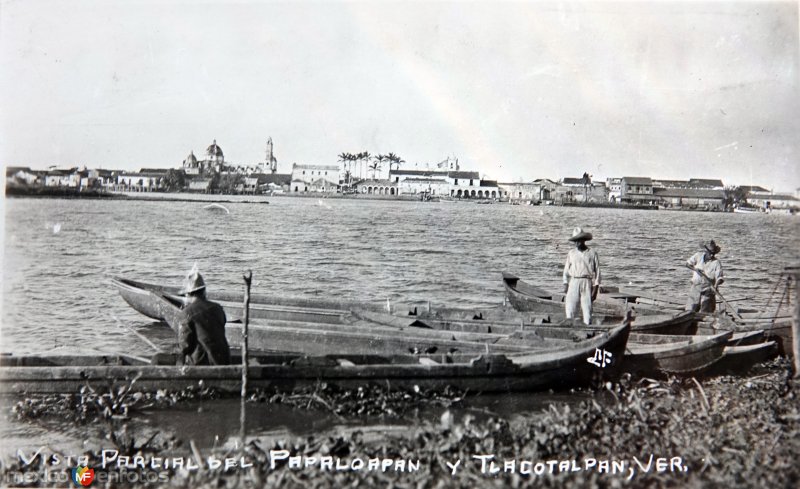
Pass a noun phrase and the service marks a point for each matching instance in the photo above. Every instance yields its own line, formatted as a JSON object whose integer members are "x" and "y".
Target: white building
{"x": 521, "y": 191}
{"x": 614, "y": 185}
{"x": 314, "y": 178}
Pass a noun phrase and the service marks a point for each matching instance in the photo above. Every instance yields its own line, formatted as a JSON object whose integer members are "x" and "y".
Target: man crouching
{"x": 201, "y": 334}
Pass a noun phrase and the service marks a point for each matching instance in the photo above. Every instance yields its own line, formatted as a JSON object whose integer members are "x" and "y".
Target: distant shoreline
{"x": 64, "y": 193}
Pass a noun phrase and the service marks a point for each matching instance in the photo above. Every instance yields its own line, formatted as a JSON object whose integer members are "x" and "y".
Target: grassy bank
{"x": 639, "y": 432}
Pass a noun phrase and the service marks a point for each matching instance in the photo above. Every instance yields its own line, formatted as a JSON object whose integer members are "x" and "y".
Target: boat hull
{"x": 525, "y": 297}
{"x": 347, "y": 335}
{"x": 559, "y": 369}
{"x": 741, "y": 358}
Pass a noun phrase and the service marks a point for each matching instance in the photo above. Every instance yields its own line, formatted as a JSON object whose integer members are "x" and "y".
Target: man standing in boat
{"x": 581, "y": 276}
{"x": 706, "y": 278}
{"x": 201, "y": 334}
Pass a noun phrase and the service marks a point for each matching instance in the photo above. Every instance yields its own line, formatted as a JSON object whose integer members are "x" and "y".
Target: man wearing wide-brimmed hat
{"x": 707, "y": 276}
{"x": 581, "y": 276}
{"x": 201, "y": 333}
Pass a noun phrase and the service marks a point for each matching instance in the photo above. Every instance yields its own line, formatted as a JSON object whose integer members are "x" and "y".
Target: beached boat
{"x": 363, "y": 331}
{"x": 649, "y": 299}
{"x": 526, "y": 297}
{"x": 741, "y": 358}
{"x": 659, "y": 353}
{"x": 317, "y": 310}
{"x": 678, "y": 354}
{"x": 594, "y": 360}
{"x": 778, "y": 330}
{"x": 645, "y": 353}
{"x": 138, "y": 295}
{"x": 148, "y": 300}
{"x": 350, "y": 334}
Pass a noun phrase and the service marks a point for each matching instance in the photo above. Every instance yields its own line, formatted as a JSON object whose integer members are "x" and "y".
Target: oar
{"x": 141, "y": 337}
{"x": 714, "y": 288}
{"x": 138, "y": 334}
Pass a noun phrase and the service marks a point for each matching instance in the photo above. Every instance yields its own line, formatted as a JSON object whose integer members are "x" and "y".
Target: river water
{"x": 60, "y": 254}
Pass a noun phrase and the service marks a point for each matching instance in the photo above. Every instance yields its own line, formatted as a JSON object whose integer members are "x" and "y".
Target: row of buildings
{"x": 212, "y": 173}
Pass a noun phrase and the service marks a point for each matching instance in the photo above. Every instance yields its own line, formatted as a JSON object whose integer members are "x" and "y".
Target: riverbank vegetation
{"x": 637, "y": 432}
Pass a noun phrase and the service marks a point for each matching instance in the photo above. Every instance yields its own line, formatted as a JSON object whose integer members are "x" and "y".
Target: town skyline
{"x": 384, "y": 173}
{"x": 671, "y": 90}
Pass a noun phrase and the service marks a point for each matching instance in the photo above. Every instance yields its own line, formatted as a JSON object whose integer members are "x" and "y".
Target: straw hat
{"x": 194, "y": 282}
{"x": 578, "y": 234}
{"x": 710, "y": 246}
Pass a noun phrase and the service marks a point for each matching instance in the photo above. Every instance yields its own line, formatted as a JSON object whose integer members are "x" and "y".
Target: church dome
{"x": 190, "y": 160}
{"x": 214, "y": 150}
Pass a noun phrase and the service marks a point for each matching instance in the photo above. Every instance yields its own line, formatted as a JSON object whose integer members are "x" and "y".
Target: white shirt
{"x": 582, "y": 264}
{"x": 712, "y": 268}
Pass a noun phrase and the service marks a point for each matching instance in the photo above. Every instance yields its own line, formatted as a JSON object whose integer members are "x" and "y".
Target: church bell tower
{"x": 271, "y": 162}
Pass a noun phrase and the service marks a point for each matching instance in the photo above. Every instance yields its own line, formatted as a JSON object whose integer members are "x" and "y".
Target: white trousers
{"x": 579, "y": 292}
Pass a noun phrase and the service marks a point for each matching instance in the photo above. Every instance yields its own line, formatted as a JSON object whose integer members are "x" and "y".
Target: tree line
{"x": 365, "y": 161}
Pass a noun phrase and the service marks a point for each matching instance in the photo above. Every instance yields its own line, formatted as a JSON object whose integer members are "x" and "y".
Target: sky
{"x": 516, "y": 91}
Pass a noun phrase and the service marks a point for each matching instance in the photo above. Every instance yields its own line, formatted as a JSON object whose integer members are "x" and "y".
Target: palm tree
{"x": 343, "y": 161}
{"x": 366, "y": 156}
{"x": 351, "y": 158}
{"x": 586, "y": 180}
{"x": 394, "y": 160}
{"x": 375, "y": 167}
{"x": 379, "y": 159}
{"x": 357, "y": 163}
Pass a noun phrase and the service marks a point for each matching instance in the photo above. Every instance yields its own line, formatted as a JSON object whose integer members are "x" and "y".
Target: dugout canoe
{"x": 741, "y": 358}
{"x": 442, "y": 330}
{"x": 648, "y": 299}
{"x": 645, "y": 353}
{"x": 525, "y": 297}
{"x": 359, "y": 330}
{"x": 675, "y": 354}
{"x": 350, "y": 335}
{"x": 777, "y": 330}
{"x": 140, "y": 296}
{"x": 552, "y": 369}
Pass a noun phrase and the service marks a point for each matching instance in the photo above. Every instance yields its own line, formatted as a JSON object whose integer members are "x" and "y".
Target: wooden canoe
{"x": 552, "y": 369}
{"x": 350, "y": 335}
{"x": 645, "y": 353}
{"x": 777, "y": 330}
{"x": 739, "y": 359}
{"x": 643, "y": 298}
{"x": 306, "y": 309}
{"x": 526, "y": 297}
{"x": 143, "y": 298}
{"x": 677, "y": 354}
{"x": 362, "y": 332}
{"x": 312, "y": 309}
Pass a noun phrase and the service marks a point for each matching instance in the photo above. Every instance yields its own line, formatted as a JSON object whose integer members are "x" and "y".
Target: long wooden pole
{"x": 793, "y": 273}
{"x": 714, "y": 288}
{"x": 248, "y": 277}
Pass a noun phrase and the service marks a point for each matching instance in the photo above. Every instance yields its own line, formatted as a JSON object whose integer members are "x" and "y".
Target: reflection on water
{"x": 59, "y": 255}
